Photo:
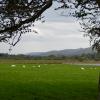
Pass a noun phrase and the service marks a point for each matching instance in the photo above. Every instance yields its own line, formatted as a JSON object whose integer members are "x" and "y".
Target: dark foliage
{"x": 16, "y": 17}
{"x": 88, "y": 12}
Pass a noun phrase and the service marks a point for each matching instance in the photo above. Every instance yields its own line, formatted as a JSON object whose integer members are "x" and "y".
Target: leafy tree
{"x": 17, "y": 16}
{"x": 88, "y": 12}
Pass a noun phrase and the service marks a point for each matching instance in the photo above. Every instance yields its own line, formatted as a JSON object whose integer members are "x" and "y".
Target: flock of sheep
{"x": 38, "y": 66}
{"x": 24, "y": 66}
{"x": 82, "y": 68}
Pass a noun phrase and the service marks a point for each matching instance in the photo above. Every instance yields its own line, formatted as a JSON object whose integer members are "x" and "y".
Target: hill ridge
{"x": 64, "y": 52}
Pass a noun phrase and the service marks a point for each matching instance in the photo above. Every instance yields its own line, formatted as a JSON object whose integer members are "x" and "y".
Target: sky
{"x": 56, "y": 33}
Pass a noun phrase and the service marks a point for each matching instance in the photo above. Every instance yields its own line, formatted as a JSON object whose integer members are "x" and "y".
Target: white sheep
{"x": 82, "y": 68}
{"x": 39, "y": 66}
{"x": 24, "y": 66}
{"x": 13, "y": 65}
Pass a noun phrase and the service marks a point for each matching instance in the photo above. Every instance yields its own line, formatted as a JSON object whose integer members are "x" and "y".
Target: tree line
{"x": 82, "y": 57}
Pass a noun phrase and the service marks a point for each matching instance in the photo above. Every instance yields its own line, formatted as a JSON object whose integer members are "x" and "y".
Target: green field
{"x": 48, "y": 82}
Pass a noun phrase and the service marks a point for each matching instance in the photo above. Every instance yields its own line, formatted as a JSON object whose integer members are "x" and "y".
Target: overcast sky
{"x": 57, "y": 33}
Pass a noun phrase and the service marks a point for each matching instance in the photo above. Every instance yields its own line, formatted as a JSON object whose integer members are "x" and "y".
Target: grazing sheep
{"x": 13, "y": 65}
{"x": 39, "y": 66}
{"x": 82, "y": 68}
{"x": 24, "y": 66}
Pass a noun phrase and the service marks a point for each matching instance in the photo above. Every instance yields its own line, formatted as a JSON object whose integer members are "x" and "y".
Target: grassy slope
{"x": 49, "y": 82}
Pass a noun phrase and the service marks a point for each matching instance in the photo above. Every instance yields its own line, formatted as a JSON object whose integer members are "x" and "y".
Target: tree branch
{"x": 31, "y": 19}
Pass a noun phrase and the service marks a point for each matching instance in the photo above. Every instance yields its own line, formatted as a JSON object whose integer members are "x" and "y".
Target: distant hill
{"x": 65, "y": 52}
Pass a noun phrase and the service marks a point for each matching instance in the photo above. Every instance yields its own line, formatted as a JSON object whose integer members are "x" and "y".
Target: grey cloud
{"x": 59, "y": 28}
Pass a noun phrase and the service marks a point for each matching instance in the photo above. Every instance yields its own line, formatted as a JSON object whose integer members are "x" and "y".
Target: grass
{"x": 49, "y": 82}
